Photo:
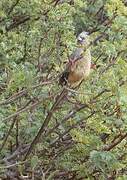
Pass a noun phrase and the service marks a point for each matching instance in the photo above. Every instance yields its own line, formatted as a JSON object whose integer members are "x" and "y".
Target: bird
{"x": 79, "y": 64}
{"x": 77, "y": 69}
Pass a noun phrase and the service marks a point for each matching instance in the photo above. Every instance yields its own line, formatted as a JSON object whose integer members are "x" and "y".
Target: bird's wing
{"x": 64, "y": 76}
{"x": 73, "y": 60}
{"x": 77, "y": 54}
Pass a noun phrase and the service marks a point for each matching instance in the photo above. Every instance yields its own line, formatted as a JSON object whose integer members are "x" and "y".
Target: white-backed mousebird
{"x": 78, "y": 69}
{"x": 79, "y": 65}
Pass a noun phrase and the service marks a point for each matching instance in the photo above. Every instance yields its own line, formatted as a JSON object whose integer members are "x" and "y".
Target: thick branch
{"x": 46, "y": 121}
{"x": 115, "y": 142}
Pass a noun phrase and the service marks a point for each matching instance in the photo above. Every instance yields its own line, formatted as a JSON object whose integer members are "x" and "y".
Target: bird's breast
{"x": 82, "y": 66}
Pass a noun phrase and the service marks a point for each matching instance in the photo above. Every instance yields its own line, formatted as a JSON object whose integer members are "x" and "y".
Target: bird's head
{"x": 83, "y": 38}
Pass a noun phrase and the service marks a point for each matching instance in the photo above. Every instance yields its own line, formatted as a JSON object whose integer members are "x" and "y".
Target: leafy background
{"x": 85, "y": 137}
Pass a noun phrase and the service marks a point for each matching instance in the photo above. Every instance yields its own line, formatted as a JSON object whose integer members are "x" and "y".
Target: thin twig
{"x": 72, "y": 127}
{"x": 12, "y": 165}
{"x": 24, "y": 92}
{"x": 21, "y": 110}
{"x": 9, "y": 131}
{"x": 12, "y": 7}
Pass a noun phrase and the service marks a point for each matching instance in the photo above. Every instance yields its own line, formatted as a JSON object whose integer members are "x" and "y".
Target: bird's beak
{"x": 79, "y": 41}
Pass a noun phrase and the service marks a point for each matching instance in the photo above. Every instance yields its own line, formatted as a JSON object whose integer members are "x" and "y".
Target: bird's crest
{"x": 82, "y": 37}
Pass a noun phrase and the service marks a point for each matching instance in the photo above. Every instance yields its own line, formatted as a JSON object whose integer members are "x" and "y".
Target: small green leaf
{"x": 34, "y": 161}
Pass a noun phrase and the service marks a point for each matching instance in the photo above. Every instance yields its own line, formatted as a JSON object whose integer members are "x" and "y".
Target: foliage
{"x": 85, "y": 137}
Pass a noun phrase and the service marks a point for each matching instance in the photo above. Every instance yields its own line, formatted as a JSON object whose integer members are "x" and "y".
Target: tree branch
{"x": 59, "y": 98}
{"x": 115, "y": 142}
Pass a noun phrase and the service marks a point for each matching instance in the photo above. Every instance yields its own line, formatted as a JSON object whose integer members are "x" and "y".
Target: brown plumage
{"x": 78, "y": 67}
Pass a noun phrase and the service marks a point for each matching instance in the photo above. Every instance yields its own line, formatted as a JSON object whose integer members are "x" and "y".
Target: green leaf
{"x": 34, "y": 161}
